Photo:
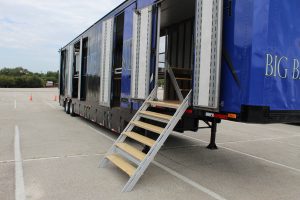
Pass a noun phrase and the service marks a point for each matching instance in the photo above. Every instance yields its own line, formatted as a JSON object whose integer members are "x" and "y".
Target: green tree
{"x": 22, "y": 78}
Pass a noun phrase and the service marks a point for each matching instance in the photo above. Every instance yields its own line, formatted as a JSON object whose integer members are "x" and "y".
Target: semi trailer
{"x": 150, "y": 67}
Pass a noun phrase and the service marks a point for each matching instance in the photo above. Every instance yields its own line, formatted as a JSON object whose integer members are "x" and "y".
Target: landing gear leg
{"x": 212, "y": 145}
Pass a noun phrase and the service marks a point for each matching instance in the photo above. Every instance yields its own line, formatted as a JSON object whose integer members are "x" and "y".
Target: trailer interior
{"x": 75, "y": 71}
{"x": 84, "y": 55}
{"x": 176, "y": 32}
{"x": 63, "y": 65}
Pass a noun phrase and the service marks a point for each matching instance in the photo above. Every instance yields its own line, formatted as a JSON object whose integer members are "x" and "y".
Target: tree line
{"x": 22, "y": 78}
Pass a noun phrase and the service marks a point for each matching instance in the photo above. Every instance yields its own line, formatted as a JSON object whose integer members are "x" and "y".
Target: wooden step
{"x": 183, "y": 79}
{"x": 131, "y": 151}
{"x": 181, "y": 69}
{"x": 149, "y": 127}
{"x": 140, "y": 138}
{"x": 164, "y": 104}
{"x": 157, "y": 115}
{"x": 122, "y": 164}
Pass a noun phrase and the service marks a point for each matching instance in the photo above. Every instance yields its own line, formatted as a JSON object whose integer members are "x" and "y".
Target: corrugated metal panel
{"x": 208, "y": 27}
{"x": 141, "y": 53}
{"x": 106, "y": 64}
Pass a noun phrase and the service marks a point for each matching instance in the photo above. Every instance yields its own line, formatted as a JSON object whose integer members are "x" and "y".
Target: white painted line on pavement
{"x": 6, "y": 161}
{"x": 174, "y": 173}
{"x": 189, "y": 181}
{"x": 258, "y": 140}
{"x": 61, "y": 157}
{"x": 19, "y": 178}
{"x": 246, "y": 154}
{"x": 54, "y": 158}
{"x": 102, "y": 134}
{"x": 15, "y": 104}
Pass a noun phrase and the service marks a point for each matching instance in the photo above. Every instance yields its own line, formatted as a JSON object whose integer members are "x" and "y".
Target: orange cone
{"x": 30, "y": 98}
{"x": 54, "y": 98}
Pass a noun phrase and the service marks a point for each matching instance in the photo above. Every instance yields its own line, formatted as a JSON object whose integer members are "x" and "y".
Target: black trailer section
{"x": 109, "y": 70}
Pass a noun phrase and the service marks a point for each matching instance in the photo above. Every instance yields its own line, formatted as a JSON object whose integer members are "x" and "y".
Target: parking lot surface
{"x": 46, "y": 154}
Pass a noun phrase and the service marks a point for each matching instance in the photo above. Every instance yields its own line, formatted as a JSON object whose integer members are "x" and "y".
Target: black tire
{"x": 67, "y": 107}
{"x": 72, "y": 113}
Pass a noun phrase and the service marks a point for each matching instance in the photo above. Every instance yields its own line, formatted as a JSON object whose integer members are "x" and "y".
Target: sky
{"x": 32, "y": 31}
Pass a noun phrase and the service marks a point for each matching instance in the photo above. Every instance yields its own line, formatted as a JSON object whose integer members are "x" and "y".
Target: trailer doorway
{"x": 83, "y": 85}
{"x": 76, "y": 65}
{"x": 177, "y": 33}
{"x": 63, "y": 65}
{"x": 117, "y": 60}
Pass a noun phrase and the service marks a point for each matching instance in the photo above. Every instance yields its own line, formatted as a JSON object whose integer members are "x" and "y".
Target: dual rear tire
{"x": 69, "y": 108}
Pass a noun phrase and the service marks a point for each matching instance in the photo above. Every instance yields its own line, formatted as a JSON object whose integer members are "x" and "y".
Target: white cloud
{"x": 32, "y": 31}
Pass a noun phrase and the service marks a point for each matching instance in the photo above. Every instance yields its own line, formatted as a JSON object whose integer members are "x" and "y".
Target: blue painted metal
{"x": 261, "y": 45}
{"x": 127, "y": 53}
{"x": 144, "y": 3}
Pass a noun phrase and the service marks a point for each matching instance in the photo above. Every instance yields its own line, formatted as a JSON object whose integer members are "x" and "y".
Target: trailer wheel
{"x": 72, "y": 113}
{"x": 67, "y": 107}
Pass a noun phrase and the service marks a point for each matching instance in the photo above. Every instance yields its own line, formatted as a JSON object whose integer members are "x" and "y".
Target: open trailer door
{"x": 208, "y": 52}
{"x": 141, "y": 53}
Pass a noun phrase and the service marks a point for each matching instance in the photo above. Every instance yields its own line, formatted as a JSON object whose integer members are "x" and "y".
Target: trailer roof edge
{"x": 105, "y": 16}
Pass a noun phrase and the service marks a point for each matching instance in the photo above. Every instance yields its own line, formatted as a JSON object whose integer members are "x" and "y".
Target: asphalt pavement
{"x": 46, "y": 154}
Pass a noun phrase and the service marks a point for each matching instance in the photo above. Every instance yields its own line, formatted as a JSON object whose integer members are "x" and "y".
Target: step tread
{"x": 164, "y": 104}
{"x": 131, "y": 151}
{"x": 183, "y": 79}
{"x": 157, "y": 115}
{"x": 140, "y": 138}
{"x": 122, "y": 164}
{"x": 149, "y": 127}
{"x": 181, "y": 69}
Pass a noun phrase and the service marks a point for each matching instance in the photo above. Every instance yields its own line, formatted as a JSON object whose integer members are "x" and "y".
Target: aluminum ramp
{"x": 133, "y": 161}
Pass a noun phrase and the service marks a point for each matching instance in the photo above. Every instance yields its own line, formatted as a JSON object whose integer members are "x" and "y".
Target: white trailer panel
{"x": 208, "y": 52}
{"x": 141, "y": 53}
{"x": 106, "y": 62}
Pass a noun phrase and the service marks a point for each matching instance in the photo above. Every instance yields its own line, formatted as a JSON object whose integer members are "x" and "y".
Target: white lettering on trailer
{"x": 269, "y": 67}
{"x": 274, "y": 66}
{"x": 296, "y": 72}
{"x": 282, "y": 67}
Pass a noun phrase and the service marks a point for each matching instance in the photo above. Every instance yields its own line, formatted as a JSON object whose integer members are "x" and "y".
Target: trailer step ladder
{"x": 133, "y": 161}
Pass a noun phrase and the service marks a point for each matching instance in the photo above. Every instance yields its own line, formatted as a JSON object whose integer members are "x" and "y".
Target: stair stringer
{"x": 129, "y": 127}
{"x": 159, "y": 142}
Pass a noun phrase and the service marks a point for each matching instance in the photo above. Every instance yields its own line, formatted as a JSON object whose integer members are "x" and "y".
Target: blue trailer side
{"x": 260, "y": 62}
{"x": 260, "y": 68}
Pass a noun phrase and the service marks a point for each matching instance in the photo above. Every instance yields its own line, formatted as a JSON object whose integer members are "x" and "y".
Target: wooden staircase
{"x": 131, "y": 160}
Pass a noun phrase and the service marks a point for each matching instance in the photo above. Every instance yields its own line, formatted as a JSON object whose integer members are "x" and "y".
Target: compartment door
{"x": 208, "y": 53}
{"x": 70, "y": 70}
{"x": 141, "y": 53}
{"x": 106, "y": 61}
{"x": 127, "y": 51}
